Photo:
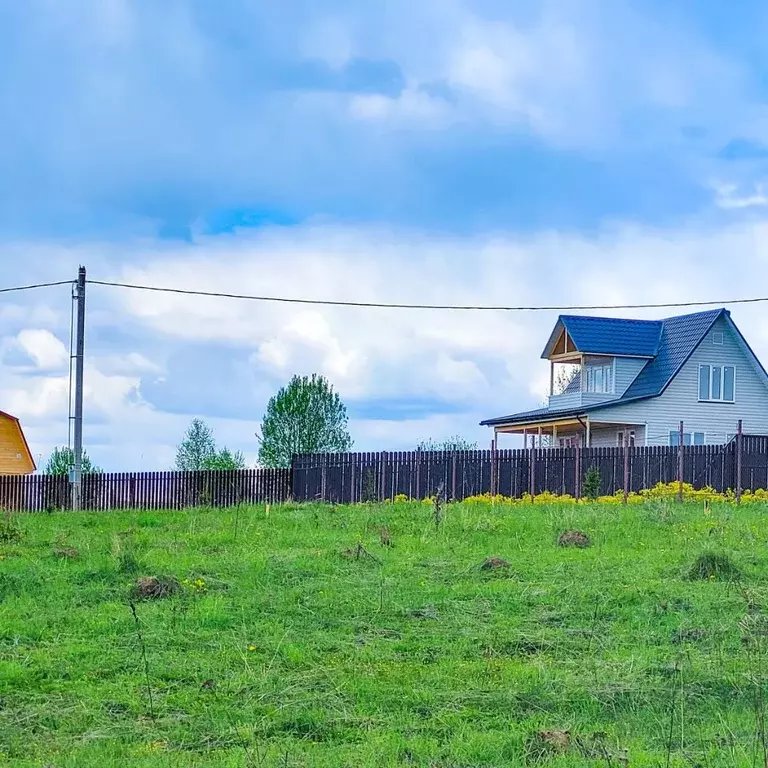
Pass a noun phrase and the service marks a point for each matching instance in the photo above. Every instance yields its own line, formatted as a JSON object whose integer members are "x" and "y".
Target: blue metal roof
{"x": 677, "y": 340}
{"x": 608, "y": 335}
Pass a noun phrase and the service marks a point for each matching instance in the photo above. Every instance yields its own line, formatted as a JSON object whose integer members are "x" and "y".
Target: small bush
{"x": 9, "y": 528}
{"x": 592, "y": 483}
{"x": 714, "y": 566}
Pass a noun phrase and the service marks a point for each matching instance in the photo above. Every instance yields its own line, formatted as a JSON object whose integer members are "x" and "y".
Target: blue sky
{"x": 477, "y": 151}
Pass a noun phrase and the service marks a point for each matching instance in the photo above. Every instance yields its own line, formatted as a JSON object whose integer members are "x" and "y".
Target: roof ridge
{"x": 615, "y": 319}
{"x": 701, "y": 313}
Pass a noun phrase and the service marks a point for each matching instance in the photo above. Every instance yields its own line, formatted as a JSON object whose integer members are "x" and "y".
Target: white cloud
{"x": 45, "y": 350}
{"x": 467, "y": 365}
{"x": 729, "y": 197}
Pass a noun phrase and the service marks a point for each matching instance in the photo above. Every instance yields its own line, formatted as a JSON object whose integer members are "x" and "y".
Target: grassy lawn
{"x": 286, "y": 645}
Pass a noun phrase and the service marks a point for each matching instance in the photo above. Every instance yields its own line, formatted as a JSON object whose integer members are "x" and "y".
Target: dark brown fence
{"x": 354, "y": 477}
{"x": 148, "y": 490}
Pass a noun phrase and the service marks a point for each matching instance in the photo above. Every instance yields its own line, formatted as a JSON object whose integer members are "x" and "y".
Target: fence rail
{"x": 147, "y": 490}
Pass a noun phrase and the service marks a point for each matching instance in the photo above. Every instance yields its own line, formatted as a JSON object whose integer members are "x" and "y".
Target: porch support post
{"x": 539, "y": 437}
{"x": 589, "y": 434}
{"x": 554, "y": 436}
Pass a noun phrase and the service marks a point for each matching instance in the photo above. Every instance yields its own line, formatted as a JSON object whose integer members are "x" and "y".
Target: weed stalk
{"x": 144, "y": 657}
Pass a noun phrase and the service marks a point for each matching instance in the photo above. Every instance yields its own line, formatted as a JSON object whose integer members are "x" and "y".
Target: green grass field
{"x": 288, "y": 646}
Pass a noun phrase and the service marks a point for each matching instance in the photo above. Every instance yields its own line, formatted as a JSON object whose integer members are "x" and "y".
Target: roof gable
{"x": 22, "y": 438}
{"x": 679, "y": 338}
{"x": 608, "y": 335}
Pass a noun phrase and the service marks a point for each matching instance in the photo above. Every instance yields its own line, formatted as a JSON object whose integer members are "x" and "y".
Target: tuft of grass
{"x": 714, "y": 566}
{"x": 125, "y": 553}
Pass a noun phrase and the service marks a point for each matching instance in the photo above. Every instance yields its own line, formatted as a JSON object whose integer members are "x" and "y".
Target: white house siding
{"x": 625, "y": 372}
{"x": 608, "y": 437}
{"x": 681, "y": 399}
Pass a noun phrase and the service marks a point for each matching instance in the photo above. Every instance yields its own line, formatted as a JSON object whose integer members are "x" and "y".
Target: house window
{"x": 600, "y": 378}
{"x": 569, "y": 442}
{"x": 717, "y": 338}
{"x": 630, "y": 436}
{"x": 697, "y": 437}
{"x": 717, "y": 383}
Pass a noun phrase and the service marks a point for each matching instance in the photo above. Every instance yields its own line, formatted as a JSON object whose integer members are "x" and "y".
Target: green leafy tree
{"x": 63, "y": 459}
{"x": 225, "y": 460}
{"x": 197, "y": 448}
{"x": 306, "y": 416}
{"x": 455, "y": 443}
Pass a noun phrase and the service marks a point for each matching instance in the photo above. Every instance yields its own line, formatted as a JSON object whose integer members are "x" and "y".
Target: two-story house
{"x": 636, "y": 380}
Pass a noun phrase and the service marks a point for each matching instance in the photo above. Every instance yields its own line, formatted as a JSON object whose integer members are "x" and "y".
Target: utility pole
{"x": 77, "y": 469}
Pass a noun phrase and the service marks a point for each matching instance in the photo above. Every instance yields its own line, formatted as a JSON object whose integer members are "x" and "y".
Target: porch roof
{"x": 544, "y": 414}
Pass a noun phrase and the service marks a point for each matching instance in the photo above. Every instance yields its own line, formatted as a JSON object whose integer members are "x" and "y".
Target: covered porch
{"x": 570, "y": 431}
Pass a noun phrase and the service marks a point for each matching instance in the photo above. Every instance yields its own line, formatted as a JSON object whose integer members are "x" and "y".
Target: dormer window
{"x": 599, "y": 378}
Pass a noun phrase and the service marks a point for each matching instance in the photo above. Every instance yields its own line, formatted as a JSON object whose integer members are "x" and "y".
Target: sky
{"x": 483, "y": 152}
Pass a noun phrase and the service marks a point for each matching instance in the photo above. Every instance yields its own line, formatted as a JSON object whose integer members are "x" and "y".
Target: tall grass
{"x": 310, "y": 638}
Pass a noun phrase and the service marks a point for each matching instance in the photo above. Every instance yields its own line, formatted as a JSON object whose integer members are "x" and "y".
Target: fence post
{"x": 453, "y": 476}
{"x": 382, "y": 482}
{"x": 493, "y": 467}
{"x": 739, "y": 452}
{"x": 532, "y": 478}
{"x": 680, "y": 464}
{"x": 418, "y": 474}
{"x": 577, "y": 471}
{"x": 323, "y": 476}
{"x": 626, "y": 469}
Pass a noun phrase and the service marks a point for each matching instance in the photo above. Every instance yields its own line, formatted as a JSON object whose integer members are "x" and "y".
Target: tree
{"x": 306, "y": 416}
{"x": 63, "y": 459}
{"x": 225, "y": 460}
{"x": 564, "y": 376}
{"x": 197, "y": 448}
{"x": 454, "y": 443}
{"x": 197, "y": 451}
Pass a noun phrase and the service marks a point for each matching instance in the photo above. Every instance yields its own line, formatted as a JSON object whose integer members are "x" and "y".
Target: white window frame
{"x": 712, "y": 367}
{"x": 718, "y": 338}
{"x": 590, "y": 368}
{"x": 620, "y": 437}
{"x": 690, "y": 435}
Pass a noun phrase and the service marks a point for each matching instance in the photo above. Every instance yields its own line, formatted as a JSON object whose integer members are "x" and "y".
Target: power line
{"x": 455, "y": 307}
{"x": 36, "y": 285}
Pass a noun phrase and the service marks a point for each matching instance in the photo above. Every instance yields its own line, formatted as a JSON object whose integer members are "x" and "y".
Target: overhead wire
{"x": 397, "y": 305}
{"x": 34, "y": 286}
{"x": 393, "y": 305}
